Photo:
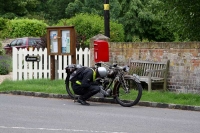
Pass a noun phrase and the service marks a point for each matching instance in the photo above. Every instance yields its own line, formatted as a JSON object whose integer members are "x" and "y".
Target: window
{"x": 13, "y": 43}
{"x": 19, "y": 42}
{"x": 24, "y": 41}
{"x": 32, "y": 41}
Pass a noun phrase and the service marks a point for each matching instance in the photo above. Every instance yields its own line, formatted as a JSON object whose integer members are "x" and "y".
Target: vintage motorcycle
{"x": 126, "y": 89}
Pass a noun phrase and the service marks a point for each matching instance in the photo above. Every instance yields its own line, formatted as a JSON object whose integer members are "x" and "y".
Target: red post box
{"x": 101, "y": 51}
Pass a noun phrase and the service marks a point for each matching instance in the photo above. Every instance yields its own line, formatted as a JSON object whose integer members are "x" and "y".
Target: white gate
{"x": 23, "y": 69}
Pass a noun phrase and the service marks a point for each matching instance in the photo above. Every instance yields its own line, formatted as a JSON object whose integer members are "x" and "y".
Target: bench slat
{"x": 154, "y": 79}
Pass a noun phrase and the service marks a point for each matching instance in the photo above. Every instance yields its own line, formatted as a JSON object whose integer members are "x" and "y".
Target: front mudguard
{"x": 134, "y": 77}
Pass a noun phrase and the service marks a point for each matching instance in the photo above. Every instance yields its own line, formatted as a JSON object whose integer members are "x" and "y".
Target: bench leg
{"x": 149, "y": 82}
{"x": 149, "y": 86}
{"x": 165, "y": 85}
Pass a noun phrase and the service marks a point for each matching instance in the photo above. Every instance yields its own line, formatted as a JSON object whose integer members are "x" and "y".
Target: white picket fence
{"x": 23, "y": 70}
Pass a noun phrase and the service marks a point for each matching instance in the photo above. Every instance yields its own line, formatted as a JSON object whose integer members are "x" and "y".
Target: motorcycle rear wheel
{"x": 69, "y": 89}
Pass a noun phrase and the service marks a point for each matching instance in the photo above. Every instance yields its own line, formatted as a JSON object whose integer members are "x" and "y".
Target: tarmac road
{"x": 27, "y": 114}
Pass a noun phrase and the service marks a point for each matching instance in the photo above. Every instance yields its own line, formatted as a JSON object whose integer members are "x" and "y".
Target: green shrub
{"x": 9, "y": 15}
{"x": 25, "y": 27}
{"x": 89, "y": 25}
{"x": 1, "y": 49}
{"x": 4, "y": 27}
{"x": 5, "y": 64}
{"x": 2, "y": 23}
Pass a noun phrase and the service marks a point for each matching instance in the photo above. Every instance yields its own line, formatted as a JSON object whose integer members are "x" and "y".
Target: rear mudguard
{"x": 134, "y": 77}
{"x": 67, "y": 77}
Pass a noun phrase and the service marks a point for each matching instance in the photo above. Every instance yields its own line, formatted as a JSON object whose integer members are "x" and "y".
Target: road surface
{"x": 26, "y": 114}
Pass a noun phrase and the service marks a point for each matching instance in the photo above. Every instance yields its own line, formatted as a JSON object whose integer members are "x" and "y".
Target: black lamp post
{"x": 106, "y": 18}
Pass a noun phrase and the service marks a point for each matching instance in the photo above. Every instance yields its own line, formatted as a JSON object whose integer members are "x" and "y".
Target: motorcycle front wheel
{"x": 130, "y": 95}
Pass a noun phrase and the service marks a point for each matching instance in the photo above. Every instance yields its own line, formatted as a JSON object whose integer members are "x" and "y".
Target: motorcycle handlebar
{"x": 113, "y": 66}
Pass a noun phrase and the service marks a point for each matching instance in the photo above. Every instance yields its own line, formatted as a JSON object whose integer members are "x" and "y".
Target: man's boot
{"x": 83, "y": 102}
{"x": 105, "y": 93}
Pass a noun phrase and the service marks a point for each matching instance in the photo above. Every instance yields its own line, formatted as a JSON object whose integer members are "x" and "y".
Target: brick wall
{"x": 184, "y": 74}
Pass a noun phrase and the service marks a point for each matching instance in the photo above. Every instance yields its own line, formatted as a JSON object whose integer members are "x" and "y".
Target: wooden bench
{"x": 150, "y": 72}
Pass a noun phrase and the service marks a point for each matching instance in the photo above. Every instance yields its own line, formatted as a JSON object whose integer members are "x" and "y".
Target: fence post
{"x": 15, "y": 63}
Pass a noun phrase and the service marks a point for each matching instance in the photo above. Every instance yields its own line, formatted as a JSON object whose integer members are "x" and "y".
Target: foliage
{"x": 89, "y": 25}
{"x": 12, "y": 8}
{"x": 142, "y": 20}
{"x": 3, "y": 27}
{"x": 52, "y": 10}
{"x": 1, "y": 49}
{"x": 183, "y": 16}
{"x": 171, "y": 97}
{"x": 92, "y": 7}
{"x": 26, "y": 27}
{"x": 9, "y": 15}
{"x": 35, "y": 85}
{"x": 159, "y": 30}
{"x": 73, "y": 8}
{"x": 138, "y": 17}
{"x": 116, "y": 32}
{"x": 2, "y": 23}
{"x": 5, "y": 64}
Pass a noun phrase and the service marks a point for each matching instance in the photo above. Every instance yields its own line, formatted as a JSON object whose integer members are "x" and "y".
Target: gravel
{"x": 3, "y": 77}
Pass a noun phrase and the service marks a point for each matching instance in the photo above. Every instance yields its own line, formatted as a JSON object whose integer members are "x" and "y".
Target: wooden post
{"x": 52, "y": 67}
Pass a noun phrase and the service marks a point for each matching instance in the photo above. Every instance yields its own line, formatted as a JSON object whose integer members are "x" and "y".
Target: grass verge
{"x": 58, "y": 87}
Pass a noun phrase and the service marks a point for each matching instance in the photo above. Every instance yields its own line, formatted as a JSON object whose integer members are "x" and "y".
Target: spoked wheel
{"x": 130, "y": 96}
{"x": 69, "y": 89}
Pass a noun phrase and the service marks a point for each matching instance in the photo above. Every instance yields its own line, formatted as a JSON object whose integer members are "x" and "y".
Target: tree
{"x": 89, "y": 25}
{"x": 15, "y": 8}
{"x": 73, "y": 8}
{"x": 56, "y": 9}
{"x": 135, "y": 18}
{"x": 141, "y": 19}
{"x": 185, "y": 15}
{"x": 92, "y": 7}
{"x": 159, "y": 30}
